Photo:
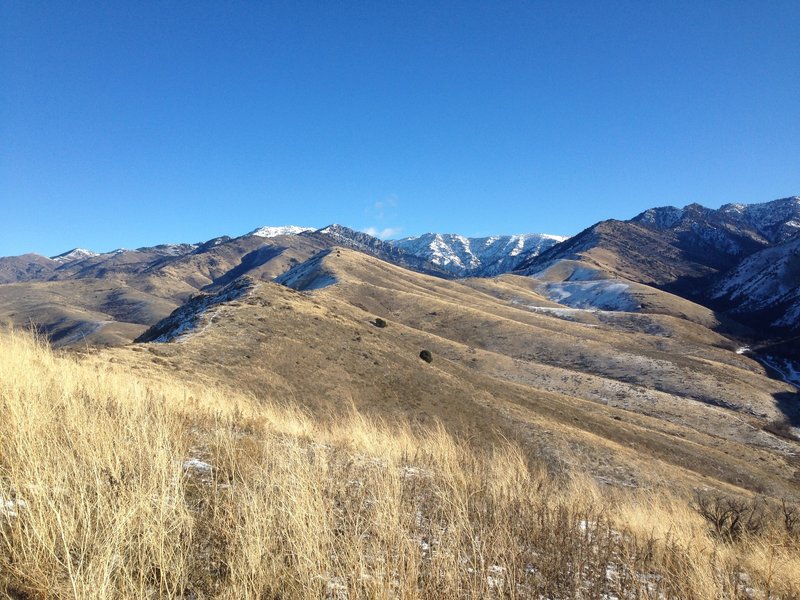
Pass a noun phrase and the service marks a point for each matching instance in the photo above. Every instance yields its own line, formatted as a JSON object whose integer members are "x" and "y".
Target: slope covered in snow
{"x": 187, "y": 319}
{"x": 763, "y": 223}
{"x": 485, "y": 256}
{"x": 269, "y": 231}
{"x": 339, "y": 235}
{"x": 581, "y": 287}
{"x": 74, "y": 255}
{"x": 310, "y": 275}
{"x": 766, "y": 282}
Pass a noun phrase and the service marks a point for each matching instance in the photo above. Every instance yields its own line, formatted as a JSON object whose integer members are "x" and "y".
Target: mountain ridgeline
{"x": 739, "y": 260}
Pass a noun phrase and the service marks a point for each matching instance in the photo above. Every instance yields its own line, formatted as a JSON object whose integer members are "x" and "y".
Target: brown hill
{"x": 112, "y": 298}
{"x": 636, "y": 398}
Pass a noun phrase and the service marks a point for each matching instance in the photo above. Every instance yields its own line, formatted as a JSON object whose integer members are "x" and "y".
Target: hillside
{"x": 765, "y": 286}
{"x": 612, "y": 390}
{"x": 112, "y": 298}
{"x": 137, "y": 483}
{"x": 684, "y": 251}
{"x": 678, "y": 249}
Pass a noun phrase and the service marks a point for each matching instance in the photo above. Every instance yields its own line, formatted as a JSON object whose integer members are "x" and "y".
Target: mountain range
{"x": 670, "y": 337}
{"x": 740, "y": 260}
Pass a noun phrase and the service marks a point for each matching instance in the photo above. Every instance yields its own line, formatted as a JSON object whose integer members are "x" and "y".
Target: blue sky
{"x": 134, "y": 123}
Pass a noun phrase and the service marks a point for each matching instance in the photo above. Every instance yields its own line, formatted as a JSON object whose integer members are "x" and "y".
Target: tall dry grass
{"x": 116, "y": 487}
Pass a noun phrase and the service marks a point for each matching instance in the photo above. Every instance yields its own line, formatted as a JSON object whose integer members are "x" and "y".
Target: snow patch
{"x": 173, "y": 249}
{"x": 184, "y": 321}
{"x": 601, "y": 294}
{"x": 269, "y": 232}
{"x": 195, "y": 465}
{"x": 788, "y": 370}
{"x": 310, "y": 275}
{"x": 74, "y": 255}
{"x": 10, "y": 507}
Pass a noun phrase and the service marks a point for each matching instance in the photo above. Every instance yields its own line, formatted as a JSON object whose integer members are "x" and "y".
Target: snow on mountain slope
{"x": 778, "y": 220}
{"x": 170, "y": 249}
{"x": 269, "y": 232}
{"x": 485, "y": 256}
{"x": 310, "y": 275}
{"x": 339, "y": 235}
{"x": 187, "y": 319}
{"x": 767, "y": 222}
{"x": 585, "y": 288}
{"x": 767, "y": 282}
{"x": 74, "y": 255}
{"x": 604, "y": 295}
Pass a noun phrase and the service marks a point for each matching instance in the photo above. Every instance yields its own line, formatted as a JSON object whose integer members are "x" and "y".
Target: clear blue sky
{"x": 134, "y": 123}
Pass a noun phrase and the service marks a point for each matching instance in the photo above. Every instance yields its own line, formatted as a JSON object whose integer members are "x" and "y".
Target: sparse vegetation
{"x": 781, "y": 428}
{"x": 117, "y": 486}
{"x": 731, "y": 518}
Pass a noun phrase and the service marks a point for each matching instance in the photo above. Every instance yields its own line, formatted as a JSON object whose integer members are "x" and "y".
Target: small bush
{"x": 791, "y": 517}
{"x": 378, "y": 322}
{"x": 731, "y": 517}
{"x": 780, "y": 428}
{"x": 426, "y": 356}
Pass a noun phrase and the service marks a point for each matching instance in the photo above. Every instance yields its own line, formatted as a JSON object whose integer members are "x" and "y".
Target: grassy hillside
{"x": 647, "y": 400}
{"x": 121, "y": 486}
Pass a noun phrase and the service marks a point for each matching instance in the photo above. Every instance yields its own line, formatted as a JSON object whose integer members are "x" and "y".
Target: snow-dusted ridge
{"x": 74, "y": 255}
{"x": 200, "y": 310}
{"x": 270, "y": 231}
{"x": 307, "y": 276}
{"x": 773, "y": 222}
{"x": 767, "y": 281}
{"x": 483, "y": 256}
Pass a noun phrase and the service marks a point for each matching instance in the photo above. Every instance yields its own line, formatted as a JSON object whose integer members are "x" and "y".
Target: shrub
{"x": 781, "y": 428}
{"x": 731, "y": 517}
{"x": 426, "y": 356}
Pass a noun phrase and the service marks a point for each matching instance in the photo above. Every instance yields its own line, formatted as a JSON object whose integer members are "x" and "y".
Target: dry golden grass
{"x": 116, "y": 487}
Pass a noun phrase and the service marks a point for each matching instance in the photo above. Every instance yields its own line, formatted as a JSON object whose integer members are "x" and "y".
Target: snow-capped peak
{"x": 662, "y": 217}
{"x": 74, "y": 255}
{"x": 485, "y": 256}
{"x": 268, "y": 232}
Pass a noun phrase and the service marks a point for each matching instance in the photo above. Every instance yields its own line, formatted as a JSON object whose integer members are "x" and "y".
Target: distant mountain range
{"x": 740, "y": 260}
{"x": 477, "y": 257}
{"x": 445, "y": 255}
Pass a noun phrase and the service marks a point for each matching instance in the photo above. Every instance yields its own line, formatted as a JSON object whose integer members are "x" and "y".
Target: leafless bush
{"x": 781, "y": 428}
{"x": 731, "y": 517}
{"x": 791, "y": 517}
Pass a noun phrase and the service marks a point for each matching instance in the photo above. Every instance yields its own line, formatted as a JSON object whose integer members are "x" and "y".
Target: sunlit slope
{"x": 634, "y": 398}
{"x": 110, "y": 299}
{"x": 120, "y": 483}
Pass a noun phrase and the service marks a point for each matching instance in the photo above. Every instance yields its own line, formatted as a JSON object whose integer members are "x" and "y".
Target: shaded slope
{"x": 635, "y": 252}
{"x": 765, "y": 287}
{"x": 680, "y": 250}
{"x": 26, "y": 267}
